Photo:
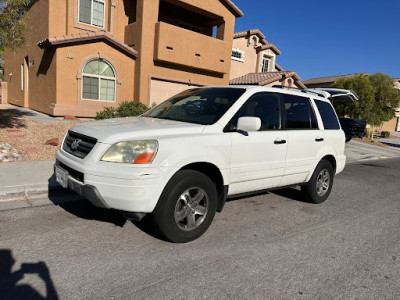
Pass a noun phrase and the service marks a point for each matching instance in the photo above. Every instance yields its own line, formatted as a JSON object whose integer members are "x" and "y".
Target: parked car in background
{"x": 353, "y": 128}
{"x": 182, "y": 159}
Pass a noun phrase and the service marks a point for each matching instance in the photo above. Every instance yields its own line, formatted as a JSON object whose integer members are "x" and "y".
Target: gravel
{"x": 28, "y": 140}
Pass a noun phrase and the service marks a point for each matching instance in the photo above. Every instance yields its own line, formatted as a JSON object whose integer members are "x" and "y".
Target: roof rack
{"x": 301, "y": 90}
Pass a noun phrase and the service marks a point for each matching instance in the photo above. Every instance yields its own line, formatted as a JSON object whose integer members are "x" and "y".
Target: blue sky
{"x": 322, "y": 38}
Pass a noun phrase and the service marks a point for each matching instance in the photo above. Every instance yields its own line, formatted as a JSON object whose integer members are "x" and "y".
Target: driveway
{"x": 359, "y": 151}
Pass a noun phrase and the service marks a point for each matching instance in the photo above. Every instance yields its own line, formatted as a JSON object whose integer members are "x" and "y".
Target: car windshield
{"x": 200, "y": 106}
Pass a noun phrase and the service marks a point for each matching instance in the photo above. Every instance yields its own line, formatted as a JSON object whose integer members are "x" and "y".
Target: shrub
{"x": 385, "y": 134}
{"x": 131, "y": 109}
{"x": 125, "y": 109}
{"x": 106, "y": 113}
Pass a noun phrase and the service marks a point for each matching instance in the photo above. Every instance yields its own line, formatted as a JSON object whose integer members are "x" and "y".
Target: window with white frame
{"x": 264, "y": 65}
{"x": 98, "y": 81}
{"x": 91, "y": 12}
{"x": 238, "y": 55}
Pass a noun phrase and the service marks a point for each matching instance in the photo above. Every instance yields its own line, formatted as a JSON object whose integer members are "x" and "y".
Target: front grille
{"x": 73, "y": 173}
{"x": 78, "y": 145}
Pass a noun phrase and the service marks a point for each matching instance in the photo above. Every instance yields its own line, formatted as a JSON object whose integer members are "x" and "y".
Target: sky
{"x": 323, "y": 37}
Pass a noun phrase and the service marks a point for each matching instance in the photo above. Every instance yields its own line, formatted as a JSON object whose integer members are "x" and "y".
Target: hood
{"x": 112, "y": 131}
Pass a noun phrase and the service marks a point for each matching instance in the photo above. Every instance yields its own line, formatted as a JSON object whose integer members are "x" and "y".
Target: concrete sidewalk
{"x": 25, "y": 184}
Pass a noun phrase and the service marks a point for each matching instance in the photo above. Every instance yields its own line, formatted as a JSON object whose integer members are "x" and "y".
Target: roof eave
{"x": 232, "y": 8}
{"x": 48, "y": 43}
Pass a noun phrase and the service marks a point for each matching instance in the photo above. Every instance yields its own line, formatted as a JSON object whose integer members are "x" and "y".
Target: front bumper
{"x": 123, "y": 187}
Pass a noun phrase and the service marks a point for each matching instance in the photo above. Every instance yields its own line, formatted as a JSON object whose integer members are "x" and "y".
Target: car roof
{"x": 256, "y": 88}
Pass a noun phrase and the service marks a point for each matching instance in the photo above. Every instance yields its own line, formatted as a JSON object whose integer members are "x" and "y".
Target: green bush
{"x": 106, "y": 113}
{"x": 385, "y": 134}
{"x": 125, "y": 109}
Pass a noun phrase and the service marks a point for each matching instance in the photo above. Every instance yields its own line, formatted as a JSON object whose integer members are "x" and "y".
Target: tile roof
{"x": 278, "y": 67}
{"x": 89, "y": 37}
{"x": 264, "y": 44}
{"x": 231, "y": 6}
{"x": 271, "y": 46}
{"x": 265, "y": 78}
{"x": 249, "y": 32}
{"x": 329, "y": 79}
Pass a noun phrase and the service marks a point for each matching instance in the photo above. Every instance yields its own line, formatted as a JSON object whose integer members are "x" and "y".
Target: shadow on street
{"x": 9, "y": 287}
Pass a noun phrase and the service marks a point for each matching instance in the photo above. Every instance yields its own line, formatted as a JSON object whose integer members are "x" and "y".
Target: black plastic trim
{"x": 92, "y": 194}
{"x": 223, "y": 198}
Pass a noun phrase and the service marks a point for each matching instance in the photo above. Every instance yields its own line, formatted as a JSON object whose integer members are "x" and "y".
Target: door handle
{"x": 319, "y": 139}
{"x": 278, "y": 142}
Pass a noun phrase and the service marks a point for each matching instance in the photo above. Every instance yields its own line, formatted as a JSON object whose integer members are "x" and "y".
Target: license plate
{"x": 61, "y": 176}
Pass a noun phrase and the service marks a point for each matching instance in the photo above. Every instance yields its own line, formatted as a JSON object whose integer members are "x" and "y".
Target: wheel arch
{"x": 214, "y": 173}
{"x": 332, "y": 160}
{"x": 329, "y": 158}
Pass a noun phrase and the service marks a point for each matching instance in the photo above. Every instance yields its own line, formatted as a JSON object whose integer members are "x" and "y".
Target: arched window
{"x": 98, "y": 81}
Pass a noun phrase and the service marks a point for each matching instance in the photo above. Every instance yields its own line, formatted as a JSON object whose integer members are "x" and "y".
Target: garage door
{"x": 161, "y": 90}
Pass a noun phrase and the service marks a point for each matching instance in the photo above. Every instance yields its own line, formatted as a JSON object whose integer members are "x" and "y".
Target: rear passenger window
{"x": 265, "y": 106}
{"x": 328, "y": 115}
{"x": 299, "y": 114}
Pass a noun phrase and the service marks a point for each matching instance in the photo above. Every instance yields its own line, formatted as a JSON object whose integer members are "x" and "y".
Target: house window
{"x": 264, "y": 65}
{"x": 238, "y": 55}
{"x": 91, "y": 12}
{"x": 98, "y": 81}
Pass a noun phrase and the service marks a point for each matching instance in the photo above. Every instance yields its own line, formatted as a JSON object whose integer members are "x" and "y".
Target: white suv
{"x": 182, "y": 159}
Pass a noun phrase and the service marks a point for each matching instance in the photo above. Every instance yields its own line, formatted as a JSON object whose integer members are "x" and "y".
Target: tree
{"x": 13, "y": 24}
{"x": 378, "y": 98}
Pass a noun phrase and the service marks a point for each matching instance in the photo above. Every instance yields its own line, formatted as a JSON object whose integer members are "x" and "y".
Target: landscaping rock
{"x": 53, "y": 142}
{"x": 9, "y": 153}
{"x": 70, "y": 118}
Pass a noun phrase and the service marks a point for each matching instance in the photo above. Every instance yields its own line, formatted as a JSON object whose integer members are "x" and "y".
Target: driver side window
{"x": 265, "y": 106}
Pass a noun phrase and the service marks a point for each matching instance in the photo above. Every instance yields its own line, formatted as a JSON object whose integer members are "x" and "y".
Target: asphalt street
{"x": 268, "y": 246}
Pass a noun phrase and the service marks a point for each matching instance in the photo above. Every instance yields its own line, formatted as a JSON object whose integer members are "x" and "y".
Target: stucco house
{"x": 319, "y": 82}
{"x": 254, "y": 62}
{"x": 83, "y": 55}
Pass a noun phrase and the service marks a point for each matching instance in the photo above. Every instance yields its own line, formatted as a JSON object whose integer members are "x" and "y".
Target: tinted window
{"x": 297, "y": 111}
{"x": 201, "y": 106}
{"x": 314, "y": 122}
{"x": 328, "y": 115}
{"x": 264, "y": 106}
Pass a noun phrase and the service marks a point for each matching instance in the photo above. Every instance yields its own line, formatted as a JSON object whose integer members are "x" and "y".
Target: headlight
{"x": 132, "y": 152}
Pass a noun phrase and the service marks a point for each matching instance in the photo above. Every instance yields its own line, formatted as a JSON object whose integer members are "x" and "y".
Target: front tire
{"x": 186, "y": 207}
{"x": 318, "y": 188}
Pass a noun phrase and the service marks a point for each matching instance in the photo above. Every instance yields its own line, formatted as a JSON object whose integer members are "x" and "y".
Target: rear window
{"x": 328, "y": 115}
{"x": 299, "y": 114}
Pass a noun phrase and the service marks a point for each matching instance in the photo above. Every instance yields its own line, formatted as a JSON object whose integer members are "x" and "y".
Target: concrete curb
{"x": 21, "y": 192}
{"x": 34, "y": 195}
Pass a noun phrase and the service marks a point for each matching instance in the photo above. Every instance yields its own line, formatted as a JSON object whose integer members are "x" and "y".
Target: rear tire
{"x": 186, "y": 207}
{"x": 318, "y": 188}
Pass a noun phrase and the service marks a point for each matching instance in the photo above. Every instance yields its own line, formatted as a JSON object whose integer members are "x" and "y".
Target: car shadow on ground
{"x": 291, "y": 193}
{"x": 13, "y": 118}
{"x": 82, "y": 208}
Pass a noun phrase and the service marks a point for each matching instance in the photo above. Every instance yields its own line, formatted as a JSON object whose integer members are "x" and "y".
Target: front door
{"x": 258, "y": 158}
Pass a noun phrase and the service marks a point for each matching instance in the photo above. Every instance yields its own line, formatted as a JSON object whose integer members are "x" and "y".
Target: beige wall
{"x": 70, "y": 62}
{"x": 184, "y": 68}
{"x": 53, "y": 83}
{"x": 390, "y": 125}
{"x": 252, "y": 57}
{"x": 42, "y": 74}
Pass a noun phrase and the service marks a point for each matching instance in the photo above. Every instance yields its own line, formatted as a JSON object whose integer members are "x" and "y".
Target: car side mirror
{"x": 248, "y": 124}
